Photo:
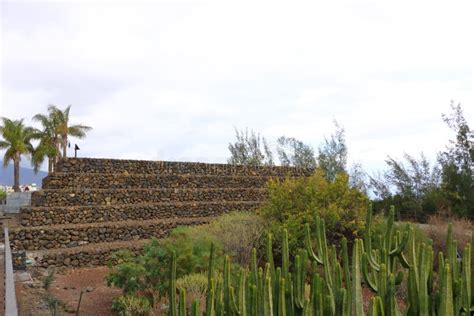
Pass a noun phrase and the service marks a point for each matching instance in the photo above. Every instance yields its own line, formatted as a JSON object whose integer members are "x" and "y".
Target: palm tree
{"x": 63, "y": 129}
{"x": 17, "y": 142}
{"x": 49, "y": 144}
{"x": 44, "y": 149}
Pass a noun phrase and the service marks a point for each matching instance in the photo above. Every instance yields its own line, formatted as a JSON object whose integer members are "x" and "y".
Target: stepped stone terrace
{"x": 89, "y": 208}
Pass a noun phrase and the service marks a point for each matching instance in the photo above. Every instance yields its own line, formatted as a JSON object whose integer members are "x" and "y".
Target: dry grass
{"x": 437, "y": 230}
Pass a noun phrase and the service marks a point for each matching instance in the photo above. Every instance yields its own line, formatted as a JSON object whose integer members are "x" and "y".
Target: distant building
{"x": 23, "y": 188}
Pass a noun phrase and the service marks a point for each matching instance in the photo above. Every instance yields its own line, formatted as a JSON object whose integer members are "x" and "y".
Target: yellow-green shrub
{"x": 296, "y": 201}
{"x": 238, "y": 233}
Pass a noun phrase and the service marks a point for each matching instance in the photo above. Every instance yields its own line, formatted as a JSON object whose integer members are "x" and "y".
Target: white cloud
{"x": 171, "y": 81}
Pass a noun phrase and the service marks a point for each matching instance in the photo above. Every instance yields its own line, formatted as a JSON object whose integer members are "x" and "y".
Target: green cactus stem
{"x": 195, "y": 310}
{"x": 358, "y": 305}
{"x": 172, "y": 290}
{"x": 182, "y": 303}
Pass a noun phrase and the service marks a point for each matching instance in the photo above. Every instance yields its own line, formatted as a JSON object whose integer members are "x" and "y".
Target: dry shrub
{"x": 195, "y": 285}
{"x": 160, "y": 305}
{"x": 437, "y": 230}
{"x": 238, "y": 232}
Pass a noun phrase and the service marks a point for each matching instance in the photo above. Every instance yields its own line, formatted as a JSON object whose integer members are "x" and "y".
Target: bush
{"x": 195, "y": 285}
{"x": 238, "y": 232}
{"x": 3, "y": 195}
{"x": 147, "y": 275}
{"x": 130, "y": 276}
{"x": 296, "y": 201}
{"x": 129, "y": 305}
{"x": 147, "y": 272}
{"x": 192, "y": 246}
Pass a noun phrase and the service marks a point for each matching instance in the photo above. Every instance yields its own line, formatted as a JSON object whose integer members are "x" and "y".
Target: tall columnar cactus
{"x": 182, "y": 303}
{"x": 387, "y": 259}
{"x": 466, "y": 279}
{"x": 210, "y": 304}
{"x": 391, "y": 244}
{"x": 321, "y": 256}
{"x": 333, "y": 285}
{"x": 471, "y": 257}
{"x": 376, "y": 306}
{"x": 419, "y": 279}
{"x": 347, "y": 278}
{"x": 446, "y": 303}
{"x": 357, "y": 279}
{"x": 172, "y": 290}
{"x": 299, "y": 279}
{"x": 195, "y": 311}
{"x": 461, "y": 266}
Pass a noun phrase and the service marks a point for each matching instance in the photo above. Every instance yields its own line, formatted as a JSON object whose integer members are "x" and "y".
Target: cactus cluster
{"x": 323, "y": 280}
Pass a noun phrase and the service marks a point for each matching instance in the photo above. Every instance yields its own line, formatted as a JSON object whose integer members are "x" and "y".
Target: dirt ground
{"x": 97, "y": 296}
{"x": 66, "y": 288}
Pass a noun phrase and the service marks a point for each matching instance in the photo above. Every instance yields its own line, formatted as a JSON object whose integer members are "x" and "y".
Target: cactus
{"x": 446, "y": 304}
{"x": 471, "y": 257}
{"x": 282, "y": 299}
{"x": 269, "y": 256}
{"x": 195, "y": 311}
{"x": 376, "y": 307}
{"x": 285, "y": 256}
{"x": 336, "y": 288}
{"x": 466, "y": 278}
{"x": 172, "y": 290}
{"x": 227, "y": 286}
{"x": 182, "y": 303}
{"x": 391, "y": 244}
{"x": 242, "y": 293}
{"x": 210, "y": 305}
{"x": 322, "y": 256}
{"x": 356, "y": 279}
{"x": 347, "y": 278}
{"x": 299, "y": 279}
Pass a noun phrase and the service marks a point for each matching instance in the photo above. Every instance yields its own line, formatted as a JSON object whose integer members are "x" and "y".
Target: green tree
{"x": 358, "y": 177}
{"x": 293, "y": 152}
{"x": 49, "y": 142}
{"x": 415, "y": 185}
{"x": 64, "y": 129}
{"x": 250, "y": 149}
{"x": 457, "y": 164}
{"x": 332, "y": 155}
{"x": 16, "y": 143}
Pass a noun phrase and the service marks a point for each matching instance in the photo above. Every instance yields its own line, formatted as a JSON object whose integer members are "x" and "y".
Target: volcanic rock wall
{"x": 90, "y": 208}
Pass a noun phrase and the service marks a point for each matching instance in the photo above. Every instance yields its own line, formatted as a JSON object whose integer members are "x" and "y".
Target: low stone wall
{"x": 38, "y": 216}
{"x": 84, "y": 258}
{"x": 127, "y": 181}
{"x": 92, "y": 165}
{"x": 15, "y": 200}
{"x": 133, "y": 196}
{"x": 44, "y": 237}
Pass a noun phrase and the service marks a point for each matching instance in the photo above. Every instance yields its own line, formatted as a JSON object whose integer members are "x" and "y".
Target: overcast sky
{"x": 171, "y": 81}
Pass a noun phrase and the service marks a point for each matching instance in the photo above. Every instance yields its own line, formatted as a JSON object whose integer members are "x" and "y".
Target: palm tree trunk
{"x": 65, "y": 146}
{"x": 58, "y": 152}
{"x": 16, "y": 175}
{"x": 50, "y": 165}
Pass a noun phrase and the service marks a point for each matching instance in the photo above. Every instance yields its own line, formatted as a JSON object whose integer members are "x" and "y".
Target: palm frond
{"x": 4, "y": 144}
{"x": 78, "y": 131}
{"x": 66, "y": 113}
{"x": 9, "y": 155}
